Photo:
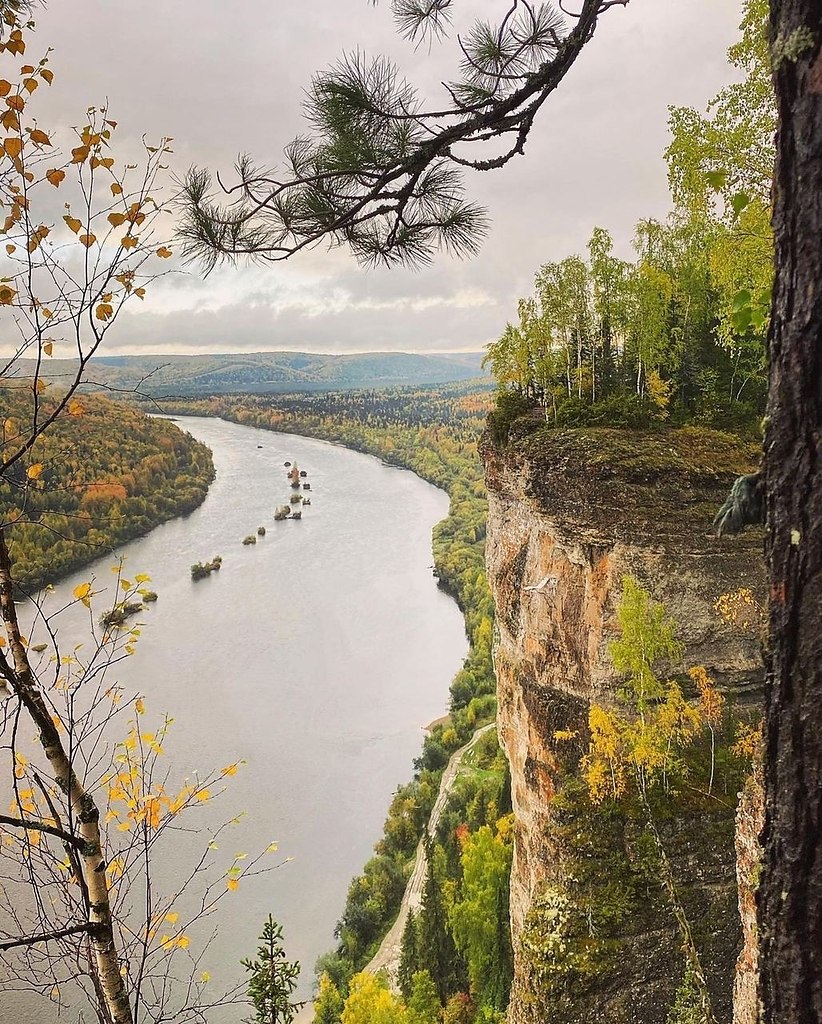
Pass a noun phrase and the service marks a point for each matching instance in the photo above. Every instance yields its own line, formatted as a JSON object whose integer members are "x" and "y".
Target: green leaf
{"x": 739, "y": 202}
{"x": 717, "y": 179}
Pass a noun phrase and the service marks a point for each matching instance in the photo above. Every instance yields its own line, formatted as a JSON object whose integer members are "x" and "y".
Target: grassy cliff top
{"x": 660, "y": 486}
{"x": 696, "y": 454}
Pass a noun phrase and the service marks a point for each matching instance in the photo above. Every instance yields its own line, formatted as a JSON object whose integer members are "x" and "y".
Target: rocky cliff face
{"x": 571, "y": 512}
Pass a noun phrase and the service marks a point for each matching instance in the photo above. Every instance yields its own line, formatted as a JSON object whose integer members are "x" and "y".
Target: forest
{"x": 106, "y": 473}
{"x": 677, "y": 334}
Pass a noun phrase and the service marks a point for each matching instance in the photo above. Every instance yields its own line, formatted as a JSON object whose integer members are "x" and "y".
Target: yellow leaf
{"x": 124, "y": 826}
{"x": 141, "y": 577}
{"x": 48, "y": 347}
{"x": 139, "y": 706}
{"x": 116, "y": 189}
{"x": 46, "y": 75}
{"x": 6, "y": 295}
{"x": 163, "y": 252}
{"x": 76, "y": 407}
{"x": 35, "y": 472}
{"x": 80, "y": 154}
{"x": 11, "y": 248}
{"x": 205, "y": 977}
{"x": 5, "y": 87}
{"x": 183, "y": 941}
{"x": 73, "y": 224}
{"x": 172, "y": 918}
{"x": 55, "y": 176}
{"x": 272, "y": 848}
{"x": 231, "y": 884}
{"x": 105, "y": 312}
{"x": 82, "y": 591}
{"x": 30, "y": 85}
{"x": 13, "y": 147}
{"x": 203, "y": 795}
{"x": 116, "y": 219}
{"x": 129, "y": 242}
{"x": 40, "y": 385}
{"x": 39, "y": 137}
{"x": 88, "y": 240}
{"x": 15, "y": 103}
{"x": 230, "y": 769}
{"x": 140, "y": 292}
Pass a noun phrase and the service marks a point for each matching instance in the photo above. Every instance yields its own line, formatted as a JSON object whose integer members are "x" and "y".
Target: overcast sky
{"x": 223, "y": 78}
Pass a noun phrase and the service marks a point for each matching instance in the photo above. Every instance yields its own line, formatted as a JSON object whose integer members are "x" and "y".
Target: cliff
{"x": 571, "y": 512}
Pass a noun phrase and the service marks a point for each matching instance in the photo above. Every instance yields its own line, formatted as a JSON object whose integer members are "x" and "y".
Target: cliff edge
{"x": 571, "y": 513}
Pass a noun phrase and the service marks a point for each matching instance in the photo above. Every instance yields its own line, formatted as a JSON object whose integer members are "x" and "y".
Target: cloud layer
{"x": 223, "y": 82}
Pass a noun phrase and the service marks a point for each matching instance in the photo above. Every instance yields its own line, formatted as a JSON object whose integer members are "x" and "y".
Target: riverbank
{"x": 444, "y": 453}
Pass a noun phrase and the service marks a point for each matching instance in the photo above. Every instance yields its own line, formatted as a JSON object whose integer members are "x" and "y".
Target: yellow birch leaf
{"x": 30, "y": 85}
{"x": 116, "y": 189}
{"x": 116, "y": 219}
{"x": 82, "y": 591}
{"x": 139, "y": 706}
{"x": 164, "y": 252}
{"x": 128, "y": 242}
{"x": 172, "y": 918}
{"x": 35, "y": 472}
{"x": 39, "y": 137}
{"x": 231, "y": 884}
{"x": 183, "y": 941}
{"x": 204, "y": 795}
{"x": 73, "y": 223}
{"x": 48, "y": 347}
{"x": 88, "y": 240}
{"x": 80, "y": 154}
{"x": 46, "y": 75}
{"x": 205, "y": 977}
{"x": 13, "y": 147}
{"x": 11, "y": 248}
{"x": 76, "y": 407}
{"x": 55, "y": 176}
{"x": 105, "y": 312}
{"x": 6, "y": 295}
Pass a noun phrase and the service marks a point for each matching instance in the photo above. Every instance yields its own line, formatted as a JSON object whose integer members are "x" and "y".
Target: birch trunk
{"x": 108, "y": 981}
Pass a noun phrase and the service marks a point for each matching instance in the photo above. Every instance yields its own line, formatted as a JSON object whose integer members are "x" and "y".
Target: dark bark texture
{"x": 790, "y": 899}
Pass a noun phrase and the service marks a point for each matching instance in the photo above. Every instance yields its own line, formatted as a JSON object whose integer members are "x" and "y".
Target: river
{"x": 316, "y": 655}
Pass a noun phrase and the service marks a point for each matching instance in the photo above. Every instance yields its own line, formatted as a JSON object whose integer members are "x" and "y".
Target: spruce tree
{"x": 273, "y": 979}
{"x": 409, "y": 956}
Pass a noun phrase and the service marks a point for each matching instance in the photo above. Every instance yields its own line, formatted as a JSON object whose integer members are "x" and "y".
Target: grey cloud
{"x": 222, "y": 83}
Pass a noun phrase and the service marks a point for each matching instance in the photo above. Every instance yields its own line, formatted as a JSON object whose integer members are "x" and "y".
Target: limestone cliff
{"x": 571, "y": 512}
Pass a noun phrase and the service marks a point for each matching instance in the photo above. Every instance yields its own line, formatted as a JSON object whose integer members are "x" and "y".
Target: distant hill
{"x": 265, "y": 372}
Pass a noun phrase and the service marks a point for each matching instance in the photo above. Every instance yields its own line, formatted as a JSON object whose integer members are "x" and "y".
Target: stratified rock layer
{"x": 571, "y": 512}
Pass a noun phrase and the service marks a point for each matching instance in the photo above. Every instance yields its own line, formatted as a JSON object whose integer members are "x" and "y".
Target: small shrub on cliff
{"x": 510, "y": 406}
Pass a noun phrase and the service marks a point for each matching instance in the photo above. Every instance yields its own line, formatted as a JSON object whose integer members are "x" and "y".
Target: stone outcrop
{"x": 572, "y": 512}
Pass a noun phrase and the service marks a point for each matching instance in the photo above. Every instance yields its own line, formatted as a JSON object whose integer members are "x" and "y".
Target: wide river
{"x": 316, "y": 655}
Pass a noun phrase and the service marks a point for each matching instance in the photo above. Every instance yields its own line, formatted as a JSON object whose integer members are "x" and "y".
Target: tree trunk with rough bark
{"x": 790, "y": 899}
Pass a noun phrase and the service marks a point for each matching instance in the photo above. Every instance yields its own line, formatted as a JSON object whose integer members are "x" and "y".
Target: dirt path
{"x": 387, "y": 957}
